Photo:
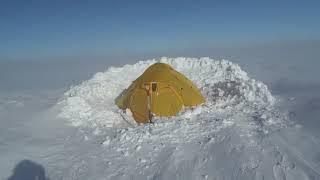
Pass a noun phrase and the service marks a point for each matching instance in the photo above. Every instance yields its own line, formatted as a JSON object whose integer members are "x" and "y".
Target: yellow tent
{"x": 159, "y": 91}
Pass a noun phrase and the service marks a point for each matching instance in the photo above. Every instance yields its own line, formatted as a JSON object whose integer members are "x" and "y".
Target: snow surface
{"x": 241, "y": 132}
{"x": 225, "y": 86}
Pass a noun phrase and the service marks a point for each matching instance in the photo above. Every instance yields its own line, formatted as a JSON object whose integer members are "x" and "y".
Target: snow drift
{"x": 231, "y": 136}
{"x": 224, "y": 84}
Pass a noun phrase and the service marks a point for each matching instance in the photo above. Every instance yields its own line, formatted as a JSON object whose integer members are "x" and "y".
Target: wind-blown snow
{"x": 224, "y": 84}
{"x": 242, "y": 132}
{"x": 229, "y": 137}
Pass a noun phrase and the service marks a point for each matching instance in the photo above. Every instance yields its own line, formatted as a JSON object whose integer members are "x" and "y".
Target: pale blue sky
{"x": 50, "y": 30}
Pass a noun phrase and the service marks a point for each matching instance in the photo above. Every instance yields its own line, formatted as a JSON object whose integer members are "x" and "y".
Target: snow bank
{"x": 229, "y": 137}
{"x": 223, "y": 83}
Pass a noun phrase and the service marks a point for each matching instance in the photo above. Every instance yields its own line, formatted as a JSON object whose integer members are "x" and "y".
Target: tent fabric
{"x": 159, "y": 91}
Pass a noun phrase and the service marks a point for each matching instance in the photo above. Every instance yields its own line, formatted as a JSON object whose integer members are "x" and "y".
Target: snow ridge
{"x": 223, "y": 83}
{"x": 225, "y": 138}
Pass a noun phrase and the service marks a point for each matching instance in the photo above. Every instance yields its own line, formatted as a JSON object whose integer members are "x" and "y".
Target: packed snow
{"x": 242, "y": 131}
{"x": 226, "y": 138}
{"x": 225, "y": 86}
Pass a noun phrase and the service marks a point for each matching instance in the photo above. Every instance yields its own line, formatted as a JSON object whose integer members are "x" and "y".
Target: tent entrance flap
{"x": 149, "y": 90}
{"x": 154, "y": 86}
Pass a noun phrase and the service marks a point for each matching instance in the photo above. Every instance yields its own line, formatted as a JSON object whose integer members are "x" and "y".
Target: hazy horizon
{"x": 112, "y": 30}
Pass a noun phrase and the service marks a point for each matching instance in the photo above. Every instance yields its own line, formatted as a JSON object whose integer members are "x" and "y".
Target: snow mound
{"x": 229, "y": 137}
{"x": 225, "y": 86}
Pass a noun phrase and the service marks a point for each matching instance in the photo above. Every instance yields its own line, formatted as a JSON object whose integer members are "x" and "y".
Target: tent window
{"x": 154, "y": 87}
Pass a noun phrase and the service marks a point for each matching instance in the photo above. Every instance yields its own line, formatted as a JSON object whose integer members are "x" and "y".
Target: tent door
{"x": 150, "y": 88}
{"x": 154, "y": 86}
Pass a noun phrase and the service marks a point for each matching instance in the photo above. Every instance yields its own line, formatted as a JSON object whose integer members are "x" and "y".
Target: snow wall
{"x": 226, "y": 87}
